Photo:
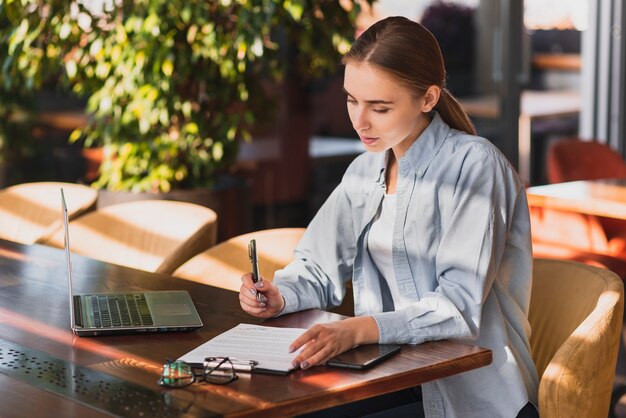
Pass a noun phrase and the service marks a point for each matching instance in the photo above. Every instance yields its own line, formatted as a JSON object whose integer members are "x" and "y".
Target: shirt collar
{"x": 382, "y": 166}
{"x": 423, "y": 151}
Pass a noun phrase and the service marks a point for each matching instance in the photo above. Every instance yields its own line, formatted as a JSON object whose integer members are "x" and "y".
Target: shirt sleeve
{"x": 323, "y": 258}
{"x": 475, "y": 226}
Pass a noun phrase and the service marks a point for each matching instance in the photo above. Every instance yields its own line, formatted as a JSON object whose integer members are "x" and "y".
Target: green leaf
{"x": 294, "y": 9}
{"x": 144, "y": 126}
{"x": 186, "y": 14}
{"x": 257, "y": 47}
{"x": 218, "y": 151}
{"x": 65, "y": 31}
{"x": 120, "y": 34}
{"x": 75, "y": 135}
{"x": 95, "y": 47}
{"x": 191, "y": 34}
{"x": 151, "y": 24}
{"x": 232, "y": 131}
{"x": 70, "y": 68}
{"x": 105, "y": 104}
{"x": 192, "y": 128}
{"x": 116, "y": 54}
{"x": 186, "y": 109}
{"x": 103, "y": 69}
{"x": 167, "y": 67}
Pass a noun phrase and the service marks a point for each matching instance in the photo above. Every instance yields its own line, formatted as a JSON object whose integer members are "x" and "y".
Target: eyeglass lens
{"x": 220, "y": 374}
{"x": 176, "y": 374}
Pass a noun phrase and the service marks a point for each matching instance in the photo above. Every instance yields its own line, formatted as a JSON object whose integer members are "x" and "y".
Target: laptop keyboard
{"x": 121, "y": 310}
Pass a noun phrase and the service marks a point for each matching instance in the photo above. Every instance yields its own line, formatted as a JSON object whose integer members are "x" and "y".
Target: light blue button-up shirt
{"x": 462, "y": 260}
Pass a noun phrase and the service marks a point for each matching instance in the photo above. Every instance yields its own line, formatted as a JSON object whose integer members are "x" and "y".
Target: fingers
{"x": 248, "y": 287}
{"x": 307, "y": 336}
{"x": 322, "y": 342}
{"x": 248, "y": 296}
{"x": 318, "y": 357}
{"x": 319, "y": 344}
{"x": 252, "y": 306}
{"x": 260, "y": 287}
{"x": 247, "y": 283}
{"x": 251, "y": 302}
{"x": 261, "y": 299}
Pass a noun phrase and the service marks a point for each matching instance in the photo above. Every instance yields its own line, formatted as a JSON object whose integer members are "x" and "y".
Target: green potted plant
{"x": 172, "y": 86}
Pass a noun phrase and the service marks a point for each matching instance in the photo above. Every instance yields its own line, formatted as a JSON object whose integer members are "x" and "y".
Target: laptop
{"x": 98, "y": 314}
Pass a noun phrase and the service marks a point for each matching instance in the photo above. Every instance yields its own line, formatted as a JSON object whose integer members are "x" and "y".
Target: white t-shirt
{"x": 380, "y": 241}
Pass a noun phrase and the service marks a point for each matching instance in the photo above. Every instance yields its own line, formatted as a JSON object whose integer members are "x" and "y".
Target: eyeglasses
{"x": 179, "y": 374}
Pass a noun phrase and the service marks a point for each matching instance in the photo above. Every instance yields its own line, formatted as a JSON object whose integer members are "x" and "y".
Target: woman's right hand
{"x": 269, "y": 304}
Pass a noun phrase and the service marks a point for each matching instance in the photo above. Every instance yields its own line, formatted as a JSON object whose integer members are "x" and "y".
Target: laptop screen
{"x": 66, "y": 242}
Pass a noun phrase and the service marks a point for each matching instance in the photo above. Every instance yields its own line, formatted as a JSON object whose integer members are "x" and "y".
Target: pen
{"x": 254, "y": 261}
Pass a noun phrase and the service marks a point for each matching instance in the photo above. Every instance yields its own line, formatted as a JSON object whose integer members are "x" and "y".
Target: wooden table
{"x": 534, "y": 105}
{"x": 605, "y": 197}
{"x": 34, "y": 314}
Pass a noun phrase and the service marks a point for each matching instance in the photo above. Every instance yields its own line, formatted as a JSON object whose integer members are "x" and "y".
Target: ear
{"x": 431, "y": 98}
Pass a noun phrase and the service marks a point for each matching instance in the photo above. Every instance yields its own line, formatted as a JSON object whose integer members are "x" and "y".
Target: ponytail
{"x": 453, "y": 114}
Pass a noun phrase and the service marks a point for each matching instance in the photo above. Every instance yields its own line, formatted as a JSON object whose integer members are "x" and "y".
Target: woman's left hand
{"x": 324, "y": 341}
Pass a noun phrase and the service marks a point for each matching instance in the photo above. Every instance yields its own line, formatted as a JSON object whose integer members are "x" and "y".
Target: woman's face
{"x": 383, "y": 112}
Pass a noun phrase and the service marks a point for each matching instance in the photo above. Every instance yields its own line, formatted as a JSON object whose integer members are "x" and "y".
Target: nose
{"x": 359, "y": 120}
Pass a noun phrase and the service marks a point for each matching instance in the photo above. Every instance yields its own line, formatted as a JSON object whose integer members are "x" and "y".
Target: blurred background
{"x": 238, "y": 105}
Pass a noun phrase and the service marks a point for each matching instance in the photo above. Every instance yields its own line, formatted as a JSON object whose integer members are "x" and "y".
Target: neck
{"x": 403, "y": 146}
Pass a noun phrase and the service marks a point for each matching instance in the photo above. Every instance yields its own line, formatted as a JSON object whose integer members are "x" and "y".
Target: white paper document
{"x": 269, "y": 346}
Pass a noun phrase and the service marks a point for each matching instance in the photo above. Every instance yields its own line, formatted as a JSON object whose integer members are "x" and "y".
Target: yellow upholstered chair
{"x": 576, "y": 320}
{"x": 31, "y": 212}
{"x": 223, "y": 264}
{"x": 151, "y": 235}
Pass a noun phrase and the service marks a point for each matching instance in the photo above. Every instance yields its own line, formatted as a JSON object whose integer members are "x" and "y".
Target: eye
{"x": 383, "y": 110}
{"x": 351, "y": 101}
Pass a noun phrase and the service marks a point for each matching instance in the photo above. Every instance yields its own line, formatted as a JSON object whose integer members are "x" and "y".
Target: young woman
{"x": 432, "y": 227}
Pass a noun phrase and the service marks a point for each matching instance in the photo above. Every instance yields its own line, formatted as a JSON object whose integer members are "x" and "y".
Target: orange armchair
{"x": 150, "y": 235}
{"x": 223, "y": 264}
{"x": 576, "y": 319}
{"x": 31, "y": 212}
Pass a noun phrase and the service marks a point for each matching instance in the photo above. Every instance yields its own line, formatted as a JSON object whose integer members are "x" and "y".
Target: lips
{"x": 368, "y": 140}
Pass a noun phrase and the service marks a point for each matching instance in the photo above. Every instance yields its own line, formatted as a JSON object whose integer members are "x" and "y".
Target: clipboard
{"x": 238, "y": 365}
{"x": 251, "y": 349}
{"x": 243, "y": 366}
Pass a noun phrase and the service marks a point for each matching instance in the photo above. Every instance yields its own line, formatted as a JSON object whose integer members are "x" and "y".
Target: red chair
{"x": 574, "y": 159}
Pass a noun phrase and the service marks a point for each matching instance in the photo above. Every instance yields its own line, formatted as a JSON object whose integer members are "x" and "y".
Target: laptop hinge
{"x": 78, "y": 311}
